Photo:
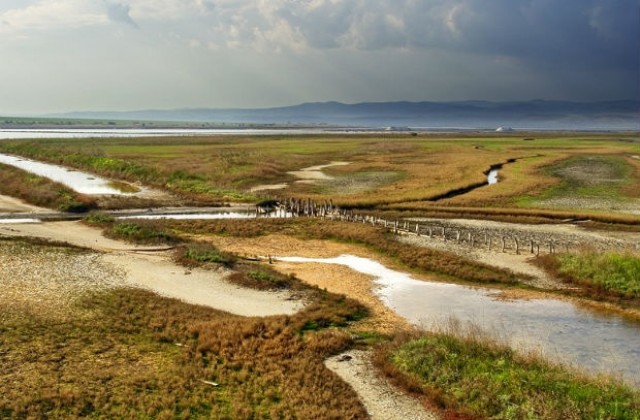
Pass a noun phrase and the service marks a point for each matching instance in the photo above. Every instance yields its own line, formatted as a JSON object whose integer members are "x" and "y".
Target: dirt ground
{"x": 13, "y": 205}
{"x": 381, "y": 399}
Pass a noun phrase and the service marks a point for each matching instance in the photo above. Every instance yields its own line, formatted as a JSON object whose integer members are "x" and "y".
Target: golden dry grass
{"x": 128, "y": 353}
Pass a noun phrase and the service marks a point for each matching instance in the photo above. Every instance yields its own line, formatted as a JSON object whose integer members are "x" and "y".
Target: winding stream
{"x": 559, "y": 330}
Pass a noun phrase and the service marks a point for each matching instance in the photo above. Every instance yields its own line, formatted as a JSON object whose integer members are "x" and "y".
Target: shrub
{"x": 143, "y": 232}
{"x": 199, "y": 254}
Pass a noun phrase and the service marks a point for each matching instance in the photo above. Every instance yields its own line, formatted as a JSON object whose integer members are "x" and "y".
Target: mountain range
{"x": 538, "y": 114}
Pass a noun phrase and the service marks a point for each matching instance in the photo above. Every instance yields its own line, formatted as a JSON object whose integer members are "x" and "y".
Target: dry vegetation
{"x": 123, "y": 353}
{"x": 397, "y": 172}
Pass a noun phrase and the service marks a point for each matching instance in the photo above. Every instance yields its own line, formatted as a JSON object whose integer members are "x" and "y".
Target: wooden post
{"x": 504, "y": 244}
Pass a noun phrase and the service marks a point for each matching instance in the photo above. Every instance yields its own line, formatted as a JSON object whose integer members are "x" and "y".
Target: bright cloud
{"x": 52, "y": 14}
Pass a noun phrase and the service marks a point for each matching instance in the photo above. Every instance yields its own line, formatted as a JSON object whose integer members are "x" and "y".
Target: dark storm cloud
{"x": 601, "y": 33}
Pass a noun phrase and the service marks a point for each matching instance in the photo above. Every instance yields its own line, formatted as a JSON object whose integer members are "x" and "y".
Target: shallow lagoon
{"x": 559, "y": 330}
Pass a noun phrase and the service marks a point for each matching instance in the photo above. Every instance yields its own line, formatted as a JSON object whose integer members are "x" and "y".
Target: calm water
{"x": 81, "y": 182}
{"x": 560, "y": 330}
{"x": 126, "y": 133}
{"x": 492, "y": 178}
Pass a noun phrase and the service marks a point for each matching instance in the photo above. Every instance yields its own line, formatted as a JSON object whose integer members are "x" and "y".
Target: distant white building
{"x": 504, "y": 129}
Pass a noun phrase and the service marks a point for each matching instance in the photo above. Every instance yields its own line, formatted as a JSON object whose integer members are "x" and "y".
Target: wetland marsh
{"x": 394, "y": 176}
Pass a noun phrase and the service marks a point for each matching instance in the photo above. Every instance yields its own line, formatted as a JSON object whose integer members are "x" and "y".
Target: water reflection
{"x": 492, "y": 178}
{"x": 560, "y": 330}
{"x": 81, "y": 182}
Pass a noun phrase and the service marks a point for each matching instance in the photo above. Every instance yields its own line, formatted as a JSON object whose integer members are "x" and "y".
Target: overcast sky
{"x": 64, "y": 55}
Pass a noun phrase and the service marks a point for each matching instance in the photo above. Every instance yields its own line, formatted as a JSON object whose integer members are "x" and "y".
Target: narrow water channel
{"x": 492, "y": 177}
{"x": 559, "y": 330}
{"x": 206, "y": 216}
{"x": 81, "y": 182}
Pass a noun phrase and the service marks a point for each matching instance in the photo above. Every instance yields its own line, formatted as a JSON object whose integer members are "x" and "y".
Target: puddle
{"x": 559, "y": 330}
{"x": 78, "y": 181}
{"x": 18, "y": 221}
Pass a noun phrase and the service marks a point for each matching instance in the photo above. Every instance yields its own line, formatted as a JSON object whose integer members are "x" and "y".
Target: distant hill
{"x": 538, "y": 114}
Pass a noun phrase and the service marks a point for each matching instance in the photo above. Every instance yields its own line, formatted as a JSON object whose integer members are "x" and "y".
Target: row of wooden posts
{"x": 475, "y": 238}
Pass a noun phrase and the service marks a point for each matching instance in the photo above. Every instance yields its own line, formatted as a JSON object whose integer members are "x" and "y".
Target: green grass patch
{"x": 618, "y": 273}
{"x": 100, "y": 219}
{"x": 143, "y": 232}
{"x": 489, "y": 381}
{"x": 198, "y": 254}
{"x": 585, "y": 177}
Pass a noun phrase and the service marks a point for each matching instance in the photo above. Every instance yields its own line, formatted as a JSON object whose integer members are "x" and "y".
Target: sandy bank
{"x": 334, "y": 278}
{"x": 148, "y": 268}
{"x": 380, "y": 398}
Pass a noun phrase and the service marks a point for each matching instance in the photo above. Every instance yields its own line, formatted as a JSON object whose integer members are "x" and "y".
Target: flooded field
{"x": 559, "y": 330}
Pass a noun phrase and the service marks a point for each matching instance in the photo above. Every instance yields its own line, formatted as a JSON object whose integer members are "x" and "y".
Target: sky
{"x": 118, "y": 55}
